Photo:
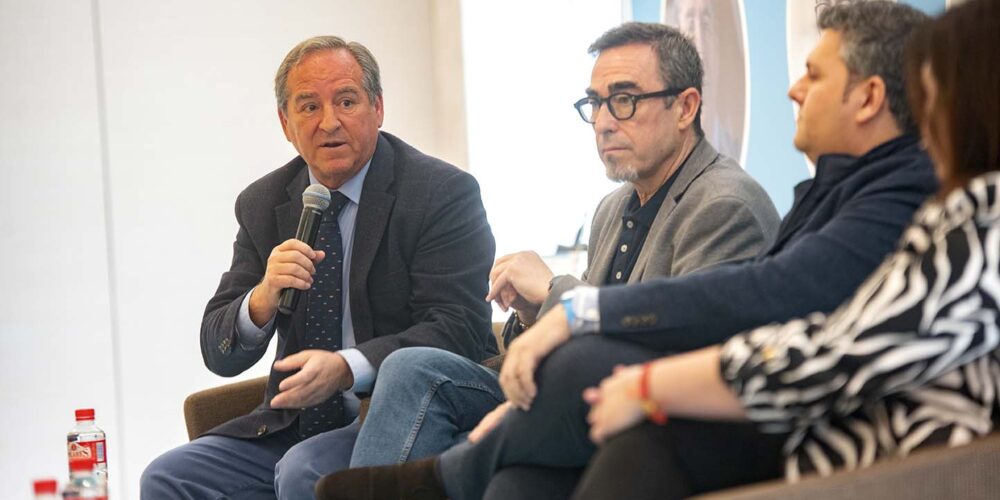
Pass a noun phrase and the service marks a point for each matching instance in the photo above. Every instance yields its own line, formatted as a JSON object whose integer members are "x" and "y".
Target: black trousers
{"x": 554, "y": 433}
{"x": 678, "y": 460}
{"x": 681, "y": 459}
{"x": 540, "y": 453}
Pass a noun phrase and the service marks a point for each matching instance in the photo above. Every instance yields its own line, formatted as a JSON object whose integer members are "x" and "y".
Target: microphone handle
{"x": 306, "y": 233}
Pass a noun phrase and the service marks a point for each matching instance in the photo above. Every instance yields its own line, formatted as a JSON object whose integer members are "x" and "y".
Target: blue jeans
{"x": 425, "y": 401}
{"x": 277, "y": 466}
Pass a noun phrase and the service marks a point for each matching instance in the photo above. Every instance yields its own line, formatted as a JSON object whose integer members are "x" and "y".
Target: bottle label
{"x": 89, "y": 451}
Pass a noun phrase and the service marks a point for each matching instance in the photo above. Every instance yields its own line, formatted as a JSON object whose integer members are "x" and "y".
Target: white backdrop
{"x": 127, "y": 130}
{"x": 526, "y": 63}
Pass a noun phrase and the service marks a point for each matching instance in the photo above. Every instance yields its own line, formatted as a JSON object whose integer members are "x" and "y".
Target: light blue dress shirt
{"x": 250, "y": 337}
{"x": 583, "y": 311}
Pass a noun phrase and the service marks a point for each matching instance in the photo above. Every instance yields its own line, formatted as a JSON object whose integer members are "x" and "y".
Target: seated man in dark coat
{"x": 402, "y": 259}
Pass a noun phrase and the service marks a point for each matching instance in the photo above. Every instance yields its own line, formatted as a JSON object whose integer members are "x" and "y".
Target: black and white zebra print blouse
{"x": 910, "y": 360}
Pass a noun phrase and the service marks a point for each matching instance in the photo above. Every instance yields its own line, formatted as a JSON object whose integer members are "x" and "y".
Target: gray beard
{"x": 621, "y": 173}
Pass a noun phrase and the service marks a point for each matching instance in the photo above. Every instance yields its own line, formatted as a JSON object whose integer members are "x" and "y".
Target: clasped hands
{"x": 615, "y": 404}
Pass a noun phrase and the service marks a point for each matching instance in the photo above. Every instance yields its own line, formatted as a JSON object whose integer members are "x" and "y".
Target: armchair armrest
{"x": 206, "y": 409}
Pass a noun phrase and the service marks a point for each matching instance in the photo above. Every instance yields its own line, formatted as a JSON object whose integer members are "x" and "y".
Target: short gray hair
{"x": 875, "y": 36}
{"x": 370, "y": 77}
{"x": 680, "y": 65}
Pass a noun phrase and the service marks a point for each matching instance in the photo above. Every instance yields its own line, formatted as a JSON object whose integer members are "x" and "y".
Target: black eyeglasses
{"x": 620, "y": 104}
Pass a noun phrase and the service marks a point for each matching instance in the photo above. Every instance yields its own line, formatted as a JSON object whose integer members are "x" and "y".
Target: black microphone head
{"x": 316, "y": 196}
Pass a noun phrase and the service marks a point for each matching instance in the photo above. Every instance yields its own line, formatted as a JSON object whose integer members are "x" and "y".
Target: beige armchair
{"x": 206, "y": 409}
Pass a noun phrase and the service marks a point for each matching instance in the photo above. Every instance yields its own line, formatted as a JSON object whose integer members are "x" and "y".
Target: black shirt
{"x": 636, "y": 222}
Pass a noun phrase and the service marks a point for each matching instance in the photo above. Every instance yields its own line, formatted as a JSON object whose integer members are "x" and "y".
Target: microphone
{"x": 315, "y": 199}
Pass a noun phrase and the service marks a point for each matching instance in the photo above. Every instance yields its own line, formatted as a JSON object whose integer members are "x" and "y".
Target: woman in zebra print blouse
{"x": 913, "y": 358}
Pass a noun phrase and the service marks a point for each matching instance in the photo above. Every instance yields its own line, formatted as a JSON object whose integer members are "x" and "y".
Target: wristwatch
{"x": 518, "y": 323}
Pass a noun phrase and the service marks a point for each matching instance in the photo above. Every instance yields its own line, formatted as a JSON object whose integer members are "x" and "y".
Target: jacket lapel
{"x": 287, "y": 214}
{"x": 700, "y": 158}
{"x": 287, "y": 217}
{"x": 374, "y": 210}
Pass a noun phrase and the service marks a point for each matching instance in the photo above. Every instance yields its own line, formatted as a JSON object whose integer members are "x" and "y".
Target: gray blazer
{"x": 714, "y": 213}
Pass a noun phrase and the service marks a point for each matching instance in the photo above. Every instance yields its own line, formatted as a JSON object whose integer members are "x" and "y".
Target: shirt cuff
{"x": 364, "y": 372}
{"x": 248, "y": 335}
{"x": 582, "y": 310}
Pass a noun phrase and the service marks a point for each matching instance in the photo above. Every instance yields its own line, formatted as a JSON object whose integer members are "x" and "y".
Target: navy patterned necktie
{"x": 324, "y": 315}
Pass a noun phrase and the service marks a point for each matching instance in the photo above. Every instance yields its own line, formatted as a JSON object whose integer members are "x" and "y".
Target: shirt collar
{"x": 831, "y": 168}
{"x": 646, "y": 214}
{"x": 352, "y": 188}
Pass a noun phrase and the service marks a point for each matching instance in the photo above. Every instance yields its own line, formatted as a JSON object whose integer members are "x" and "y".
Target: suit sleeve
{"x": 221, "y": 351}
{"x": 737, "y": 235}
{"x": 449, "y": 274}
{"x": 815, "y": 272}
{"x": 560, "y": 285}
{"x": 696, "y": 245}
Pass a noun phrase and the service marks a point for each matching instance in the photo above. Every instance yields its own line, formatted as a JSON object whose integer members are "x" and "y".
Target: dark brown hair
{"x": 874, "y": 36}
{"x": 680, "y": 65}
{"x": 963, "y": 49}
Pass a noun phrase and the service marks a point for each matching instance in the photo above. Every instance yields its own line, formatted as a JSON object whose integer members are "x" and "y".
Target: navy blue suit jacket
{"x": 842, "y": 224}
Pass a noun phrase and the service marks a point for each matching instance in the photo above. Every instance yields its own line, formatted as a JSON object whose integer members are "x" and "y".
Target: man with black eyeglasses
{"x": 695, "y": 207}
{"x": 683, "y": 207}
{"x": 871, "y": 175}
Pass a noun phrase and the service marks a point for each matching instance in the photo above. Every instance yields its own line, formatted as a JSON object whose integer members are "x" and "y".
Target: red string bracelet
{"x": 649, "y": 407}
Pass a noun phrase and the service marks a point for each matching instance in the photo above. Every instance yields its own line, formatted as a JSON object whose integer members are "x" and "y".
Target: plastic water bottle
{"x": 84, "y": 484}
{"x": 45, "y": 489}
{"x": 85, "y": 444}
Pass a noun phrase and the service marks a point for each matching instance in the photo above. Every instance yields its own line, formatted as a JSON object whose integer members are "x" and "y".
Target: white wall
{"x": 55, "y": 319}
{"x": 108, "y": 278}
{"x": 526, "y": 63}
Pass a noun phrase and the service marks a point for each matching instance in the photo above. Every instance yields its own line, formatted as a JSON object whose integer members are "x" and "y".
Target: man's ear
{"x": 379, "y": 110}
{"x": 284, "y": 123}
{"x": 689, "y": 102}
{"x": 871, "y": 96}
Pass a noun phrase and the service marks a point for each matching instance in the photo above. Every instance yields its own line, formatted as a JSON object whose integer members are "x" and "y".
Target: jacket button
{"x": 261, "y": 430}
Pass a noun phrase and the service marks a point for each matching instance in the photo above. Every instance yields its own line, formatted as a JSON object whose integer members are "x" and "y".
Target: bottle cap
{"x": 81, "y": 465}
{"x": 85, "y": 414}
{"x": 43, "y": 486}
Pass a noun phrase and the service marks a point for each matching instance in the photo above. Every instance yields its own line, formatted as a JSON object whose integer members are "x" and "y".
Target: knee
{"x": 413, "y": 364}
{"x": 577, "y": 364}
{"x": 161, "y": 475}
{"x": 296, "y": 474}
{"x": 293, "y": 475}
